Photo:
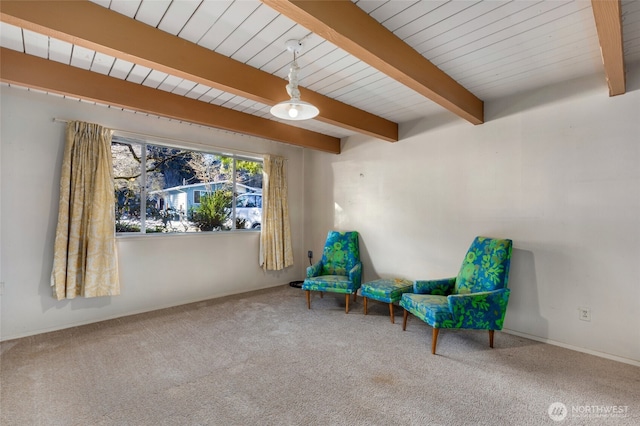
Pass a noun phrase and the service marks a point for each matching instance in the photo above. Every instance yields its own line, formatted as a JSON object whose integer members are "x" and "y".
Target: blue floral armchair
{"x": 475, "y": 299}
{"x": 339, "y": 270}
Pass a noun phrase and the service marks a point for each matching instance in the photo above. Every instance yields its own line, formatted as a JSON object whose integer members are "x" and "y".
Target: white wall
{"x": 556, "y": 170}
{"x": 157, "y": 271}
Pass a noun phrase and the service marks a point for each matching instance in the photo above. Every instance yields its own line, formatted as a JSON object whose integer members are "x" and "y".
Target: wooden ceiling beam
{"x": 347, "y": 26}
{"x": 608, "y": 17}
{"x": 34, "y": 72}
{"x": 92, "y": 26}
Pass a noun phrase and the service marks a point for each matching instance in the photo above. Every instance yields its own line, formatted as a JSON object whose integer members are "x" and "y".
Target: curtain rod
{"x": 147, "y": 135}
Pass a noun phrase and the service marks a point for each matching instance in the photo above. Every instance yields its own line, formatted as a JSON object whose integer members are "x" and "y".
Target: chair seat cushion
{"x": 430, "y": 308}
{"x": 330, "y": 283}
{"x": 386, "y": 290}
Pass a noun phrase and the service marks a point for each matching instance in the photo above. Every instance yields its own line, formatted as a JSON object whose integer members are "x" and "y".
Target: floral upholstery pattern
{"x": 483, "y": 311}
{"x": 340, "y": 269}
{"x": 476, "y": 299}
{"x": 485, "y": 267}
{"x": 387, "y": 290}
{"x": 432, "y": 309}
{"x": 442, "y": 287}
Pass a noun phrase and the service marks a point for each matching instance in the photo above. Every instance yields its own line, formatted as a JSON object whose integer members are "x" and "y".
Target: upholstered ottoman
{"x": 386, "y": 290}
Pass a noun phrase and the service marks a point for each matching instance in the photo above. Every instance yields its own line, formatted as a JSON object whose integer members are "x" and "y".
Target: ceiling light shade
{"x": 294, "y": 108}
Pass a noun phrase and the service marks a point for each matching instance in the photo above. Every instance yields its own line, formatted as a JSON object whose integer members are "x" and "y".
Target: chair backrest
{"x": 341, "y": 253}
{"x": 486, "y": 266}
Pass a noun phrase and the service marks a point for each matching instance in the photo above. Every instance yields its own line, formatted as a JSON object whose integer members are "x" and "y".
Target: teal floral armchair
{"x": 339, "y": 270}
{"x": 475, "y": 299}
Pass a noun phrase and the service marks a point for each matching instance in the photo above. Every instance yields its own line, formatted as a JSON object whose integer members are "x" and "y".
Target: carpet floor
{"x": 263, "y": 358}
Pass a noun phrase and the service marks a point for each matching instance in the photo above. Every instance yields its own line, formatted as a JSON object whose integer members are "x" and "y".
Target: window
{"x": 161, "y": 189}
{"x": 196, "y": 197}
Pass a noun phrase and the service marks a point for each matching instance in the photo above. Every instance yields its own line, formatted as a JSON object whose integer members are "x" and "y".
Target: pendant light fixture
{"x": 294, "y": 108}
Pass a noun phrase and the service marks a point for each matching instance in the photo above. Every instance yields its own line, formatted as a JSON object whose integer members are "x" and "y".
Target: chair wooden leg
{"x": 346, "y": 308}
{"x": 391, "y": 312}
{"x": 321, "y": 295}
{"x": 308, "y": 298}
{"x": 434, "y": 340}
{"x": 491, "y": 338}
{"x": 365, "y": 305}
{"x": 404, "y": 320}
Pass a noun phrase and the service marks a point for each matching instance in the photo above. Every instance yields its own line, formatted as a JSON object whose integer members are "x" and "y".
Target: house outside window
{"x": 162, "y": 189}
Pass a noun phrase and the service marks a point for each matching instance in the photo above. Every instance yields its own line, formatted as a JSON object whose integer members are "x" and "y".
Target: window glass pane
{"x": 212, "y": 182}
{"x": 168, "y": 175}
{"x": 127, "y": 157}
{"x": 248, "y": 194}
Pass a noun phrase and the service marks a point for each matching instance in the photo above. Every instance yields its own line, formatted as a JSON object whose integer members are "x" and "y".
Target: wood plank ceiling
{"x": 368, "y": 64}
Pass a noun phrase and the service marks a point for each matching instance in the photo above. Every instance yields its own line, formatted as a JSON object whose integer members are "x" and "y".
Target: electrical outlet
{"x": 309, "y": 254}
{"x": 584, "y": 314}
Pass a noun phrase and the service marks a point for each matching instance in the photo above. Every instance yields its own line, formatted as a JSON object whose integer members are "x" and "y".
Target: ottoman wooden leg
{"x": 365, "y": 305}
{"x": 391, "y": 312}
{"x": 308, "y": 298}
{"x": 404, "y": 320}
{"x": 346, "y": 308}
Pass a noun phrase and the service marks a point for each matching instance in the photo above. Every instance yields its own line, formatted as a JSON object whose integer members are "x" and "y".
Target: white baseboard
{"x": 574, "y": 348}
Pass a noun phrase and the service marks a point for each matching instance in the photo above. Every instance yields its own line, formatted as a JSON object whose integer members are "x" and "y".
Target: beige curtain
{"x": 275, "y": 238}
{"x": 85, "y": 262}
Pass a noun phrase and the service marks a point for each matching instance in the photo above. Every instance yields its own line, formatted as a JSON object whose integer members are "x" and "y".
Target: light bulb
{"x": 293, "y": 111}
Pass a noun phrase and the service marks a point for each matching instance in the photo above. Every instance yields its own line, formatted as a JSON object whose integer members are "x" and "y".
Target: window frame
{"x": 143, "y": 142}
